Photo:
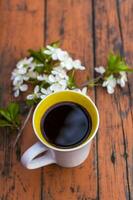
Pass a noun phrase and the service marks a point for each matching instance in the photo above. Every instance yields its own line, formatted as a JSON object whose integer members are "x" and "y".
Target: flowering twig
{"x": 52, "y": 69}
{"x": 23, "y": 126}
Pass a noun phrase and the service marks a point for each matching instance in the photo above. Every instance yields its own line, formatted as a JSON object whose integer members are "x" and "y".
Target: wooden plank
{"x": 21, "y": 25}
{"x": 113, "y": 175}
{"x": 126, "y": 24}
{"x": 71, "y": 22}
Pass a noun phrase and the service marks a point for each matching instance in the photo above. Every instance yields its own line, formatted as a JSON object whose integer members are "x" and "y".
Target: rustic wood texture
{"x": 88, "y": 29}
{"x": 112, "y": 150}
{"x": 21, "y": 25}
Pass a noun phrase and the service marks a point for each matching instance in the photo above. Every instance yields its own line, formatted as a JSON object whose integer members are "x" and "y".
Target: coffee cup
{"x": 66, "y": 157}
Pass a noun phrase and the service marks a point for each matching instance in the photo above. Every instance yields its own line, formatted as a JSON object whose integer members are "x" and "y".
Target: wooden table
{"x": 89, "y": 29}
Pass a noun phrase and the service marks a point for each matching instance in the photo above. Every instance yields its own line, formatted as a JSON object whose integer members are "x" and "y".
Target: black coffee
{"x": 66, "y": 125}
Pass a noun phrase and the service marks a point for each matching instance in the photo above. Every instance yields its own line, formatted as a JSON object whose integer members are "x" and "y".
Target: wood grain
{"x": 112, "y": 164}
{"x": 88, "y": 30}
{"x": 126, "y": 24}
{"x": 21, "y": 25}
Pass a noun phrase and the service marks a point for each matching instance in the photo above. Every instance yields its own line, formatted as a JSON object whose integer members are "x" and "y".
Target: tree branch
{"x": 23, "y": 126}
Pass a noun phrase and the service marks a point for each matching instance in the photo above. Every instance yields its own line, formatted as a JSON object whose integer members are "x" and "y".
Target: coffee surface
{"x": 66, "y": 125}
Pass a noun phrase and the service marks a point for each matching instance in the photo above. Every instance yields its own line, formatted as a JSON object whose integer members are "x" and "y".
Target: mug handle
{"x": 30, "y": 161}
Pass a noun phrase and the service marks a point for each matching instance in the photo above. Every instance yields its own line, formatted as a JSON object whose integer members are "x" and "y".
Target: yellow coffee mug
{"x": 69, "y": 157}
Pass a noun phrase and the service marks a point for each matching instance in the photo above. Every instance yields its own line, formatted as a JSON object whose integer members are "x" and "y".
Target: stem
{"x": 23, "y": 126}
{"x": 92, "y": 81}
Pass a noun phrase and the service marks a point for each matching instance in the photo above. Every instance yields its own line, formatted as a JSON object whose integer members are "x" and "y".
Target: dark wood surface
{"x": 88, "y": 29}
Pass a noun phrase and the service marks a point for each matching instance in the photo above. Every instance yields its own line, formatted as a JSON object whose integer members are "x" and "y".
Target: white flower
{"x": 63, "y": 83}
{"x": 32, "y": 66}
{"x": 62, "y": 55}
{"x": 15, "y": 74}
{"x": 110, "y": 83}
{"x": 57, "y": 83}
{"x": 22, "y": 71}
{"x": 67, "y": 63}
{"x": 24, "y": 62}
{"x": 19, "y": 86}
{"x": 55, "y": 87}
{"x": 59, "y": 54}
{"x": 19, "y": 75}
{"x": 100, "y": 70}
{"x": 60, "y": 72}
{"x": 36, "y": 93}
{"x": 122, "y": 80}
{"x": 56, "y": 78}
{"x": 42, "y": 77}
{"x": 56, "y": 53}
{"x": 52, "y": 78}
{"x": 84, "y": 90}
{"x": 45, "y": 92}
{"x": 77, "y": 65}
{"x": 58, "y": 86}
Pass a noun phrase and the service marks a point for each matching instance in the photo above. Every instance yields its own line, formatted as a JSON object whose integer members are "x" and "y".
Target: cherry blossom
{"x": 110, "y": 83}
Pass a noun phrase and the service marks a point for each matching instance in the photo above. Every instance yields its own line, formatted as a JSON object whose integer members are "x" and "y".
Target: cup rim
{"x": 67, "y": 149}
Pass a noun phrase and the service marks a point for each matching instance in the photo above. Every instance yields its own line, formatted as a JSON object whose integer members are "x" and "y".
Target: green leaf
{"x": 32, "y": 102}
{"x": 13, "y": 109}
{"x": 44, "y": 84}
{"x": 5, "y": 114}
{"x": 71, "y": 80}
{"x": 39, "y": 69}
{"x": 55, "y": 44}
{"x": 37, "y": 55}
{"x": 33, "y": 81}
{"x": 48, "y": 68}
{"x": 4, "y": 123}
{"x": 116, "y": 64}
{"x": 17, "y": 121}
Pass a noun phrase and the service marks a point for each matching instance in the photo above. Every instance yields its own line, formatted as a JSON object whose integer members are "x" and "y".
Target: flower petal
{"x": 42, "y": 77}
{"x": 18, "y": 79}
{"x": 25, "y": 61}
{"x": 22, "y": 70}
{"x": 62, "y": 55}
{"x": 54, "y": 56}
{"x": 84, "y": 90}
{"x": 105, "y": 83}
{"x": 26, "y": 77}
{"x": 16, "y": 93}
{"x": 30, "y": 97}
{"x": 68, "y": 64}
{"x": 110, "y": 89}
{"x": 43, "y": 90}
{"x": 52, "y": 78}
{"x": 43, "y": 96}
{"x": 63, "y": 82}
{"x": 36, "y": 89}
{"x": 56, "y": 87}
{"x": 121, "y": 82}
{"x": 77, "y": 90}
{"x": 100, "y": 70}
{"x": 24, "y": 87}
{"x": 81, "y": 68}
